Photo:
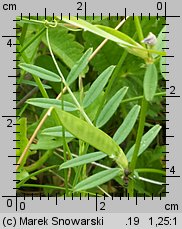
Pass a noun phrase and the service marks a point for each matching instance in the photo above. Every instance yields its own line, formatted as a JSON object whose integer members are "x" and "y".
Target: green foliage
{"x": 47, "y": 103}
{"x": 22, "y": 175}
{"x": 145, "y": 142}
{"x": 56, "y": 131}
{"x": 97, "y": 87}
{"x": 92, "y": 136}
{"x": 22, "y": 139}
{"x": 22, "y": 135}
{"x": 82, "y": 160}
{"x": 47, "y": 143}
{"x": 97, "y": 179}
{"x": 31, "y": 83}
{"x": 40, "y": 72}
{"x": 112, "y": 102}
{"x": 107, "y": 56}
{"x": 120, "y": 38}
{"x": 79, "y": 67}
{"x": 127, "y": 125}
{"x": 150, "y": 82}
{"x": 111, "y": 107}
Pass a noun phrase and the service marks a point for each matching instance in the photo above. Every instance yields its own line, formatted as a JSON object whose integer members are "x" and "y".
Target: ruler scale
{"x": 126, "y": 212}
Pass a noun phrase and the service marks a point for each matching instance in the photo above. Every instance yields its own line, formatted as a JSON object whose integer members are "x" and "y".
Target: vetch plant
{"x": 91, "y": 125}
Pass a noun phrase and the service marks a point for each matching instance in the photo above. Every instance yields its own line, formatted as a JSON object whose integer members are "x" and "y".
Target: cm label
{"x": 9, "y": 7}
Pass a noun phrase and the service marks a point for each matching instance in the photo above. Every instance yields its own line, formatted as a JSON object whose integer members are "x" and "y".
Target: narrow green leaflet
{"x": 150, "y": 82}
{"x": 40, "y": 72}
{"x": 145, "y": 142}
{"x": 127, "y": 125}
{"x": 47, "y": 103}
{"x": 79, "y": 66}
{"x": 82, "y": 160}
{"x": 110, "y": 107}
{"x": 56, "y": 131}
{"x": 97, "y": 179}
{"x": 97, "y": 86}
{"x": 93, "y": 136}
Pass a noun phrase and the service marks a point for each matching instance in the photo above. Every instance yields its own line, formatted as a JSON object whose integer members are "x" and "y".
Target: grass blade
{"x": 97, "y": 87}
{"x": 110, "y": 107}
{"x": 40, "y": 72}
{"x": 82, "y": 160}
{"x": 97, "y": 179}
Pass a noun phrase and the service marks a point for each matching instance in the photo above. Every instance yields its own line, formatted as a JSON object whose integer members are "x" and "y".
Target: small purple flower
{"x": 150, "y": 39}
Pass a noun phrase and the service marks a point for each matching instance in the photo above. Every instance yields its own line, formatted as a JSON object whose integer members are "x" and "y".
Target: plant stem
{"x": 82, "y": 145}
{"x": 65, "y": 83}
{"x": 150, "y": 170}
{"x": 64, "y": 150}
{"x": 106, "y": 40}
{"x": 111, "y": 81}
{"x": 44, "y": 186}
{"x": 116, "y": 72}
{"x": 141, "y": 97}
{"x": 56, "y": 187}
{"x": 137, "y": 144}
{"x": 139, "y": 133}
{"x": 139, "y": 30}
{"x": 141, "y": 120}
{"x": 35, "y": 174}
{"x": 40, "y": 162}
{"x": 50, "y": 109}
{"x": 41, "y": 86}
{"x": 23, "y": 155}
{"x": 37, "y": 22}
{"x": 23, "y": 34}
